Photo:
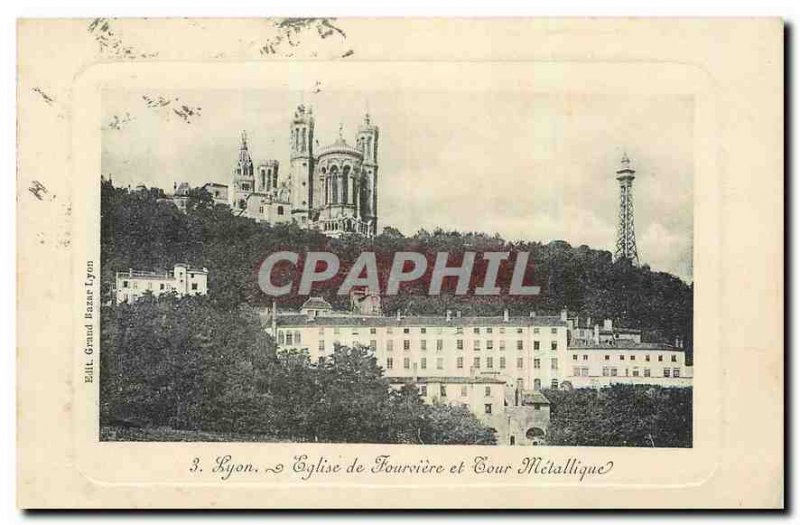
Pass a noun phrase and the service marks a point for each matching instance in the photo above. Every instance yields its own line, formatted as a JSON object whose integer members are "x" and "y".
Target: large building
{"x": 496, "y": 366}
{"x": 131, "y": 285}
{"x": 333, "y": 190}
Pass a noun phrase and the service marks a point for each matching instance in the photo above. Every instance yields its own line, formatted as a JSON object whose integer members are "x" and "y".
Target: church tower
{"x": 626, "y": 235}
{"x": 301, "y": 164}
{"x": 243, "y": 177}
{"x": 367, "y": 142}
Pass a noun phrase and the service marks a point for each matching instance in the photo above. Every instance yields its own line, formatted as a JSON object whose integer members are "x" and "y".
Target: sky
{"x": 527, "y": 165}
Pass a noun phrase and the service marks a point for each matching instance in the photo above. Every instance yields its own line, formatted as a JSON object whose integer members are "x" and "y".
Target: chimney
{"x": 505, "y": 315}
{"x": 448, "y": 315}
{"x": 458, "y": 314}
{"x": 564, "y": 314}
{"x": 398, "y": 315}
{"x": 532, "y": 314}
{"x": 597, "y": 334}
{"x": 608, "y": 325}
{"x": 588, "y": 322}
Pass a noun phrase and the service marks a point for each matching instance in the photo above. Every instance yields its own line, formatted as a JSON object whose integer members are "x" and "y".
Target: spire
{"x": 245, "y": 162}
{"x": 244, "y": 141}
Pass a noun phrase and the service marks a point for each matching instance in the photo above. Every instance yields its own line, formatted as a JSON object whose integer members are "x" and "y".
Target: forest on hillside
{"x": 145, "y": 231}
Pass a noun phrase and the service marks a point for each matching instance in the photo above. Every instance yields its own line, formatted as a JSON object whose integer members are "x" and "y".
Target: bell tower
{"x": 301, "y": 163}
{"x": 243, "y": 177}
{"x": 367, "y": 142}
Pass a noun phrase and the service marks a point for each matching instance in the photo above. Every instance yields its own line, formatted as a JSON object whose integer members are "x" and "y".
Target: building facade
{"x": 333, "y": 190}
{"x": 496, "y": 366}
{"x": 131, "y": 285}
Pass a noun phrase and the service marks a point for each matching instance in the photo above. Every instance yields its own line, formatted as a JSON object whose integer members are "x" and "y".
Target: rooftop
{"x": 296, "y": 319}
{"x": 622, "y": 344}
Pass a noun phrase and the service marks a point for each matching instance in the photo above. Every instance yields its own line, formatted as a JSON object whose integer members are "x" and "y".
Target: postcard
{"x": 400, "y": 263}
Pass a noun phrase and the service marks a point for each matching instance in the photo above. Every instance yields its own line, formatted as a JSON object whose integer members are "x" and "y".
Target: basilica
{"x": 333, "y": 189}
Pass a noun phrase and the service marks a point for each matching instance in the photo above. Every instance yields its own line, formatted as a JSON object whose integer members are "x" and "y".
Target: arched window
{"x": 334, "y": 178}
{"x": 537, "y": 384}
{"x": 345, "y": 186}
{"x": 534, "y": 432}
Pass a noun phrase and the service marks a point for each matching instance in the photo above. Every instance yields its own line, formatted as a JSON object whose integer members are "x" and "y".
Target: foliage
{"x": 141, "y": 230}
{"x": 621, "y": 416}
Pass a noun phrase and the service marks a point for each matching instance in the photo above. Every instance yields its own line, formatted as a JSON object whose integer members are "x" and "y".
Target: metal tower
{"x": 626, "y": 236}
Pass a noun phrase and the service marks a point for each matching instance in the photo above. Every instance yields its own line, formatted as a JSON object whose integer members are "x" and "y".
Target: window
{"x": 124, "y": 284}
{"x": 443, "y": 390}
{"x": 423, "y": 390}
{"x": 161, "y": 286}
{"x": 520, "y": 362}
{"x": 389, "y": 345}
{"x": 574, "y": 357}
{"x": 554, "y": 330}
{"x": 423, "y": 345}
{"x": 613, "y": 371}
{"x": 321, "y": 330}
{"x": 406, "y": 330}
{"x": 373, "y": 345}
{"x": 460, "y": 362}
{"x": 605, "y": 371}
{"x": 554, "y": 364}
{"x": 406, "y": 344}
{"x": 423, "y": 330}
{"x": 621, "y": 357}
{"x": 460, "y": 344}
{"x": 389, "y": 330}
{"x": 519, "y": 344}
{"x": 488, "y": 391}
{"x": 536, "y": 345}
{"x": 635, "y": 371}
{"x": 535, "y": 330}
{"x": 660, "y": 358}
{"x": 439, "y": 363}
{"x": 476, "y": 330}
{"x": 502, "y": 329}
{"x": 536, "y": 363}
{"x": 406, "y": 363}
{"x": 289, "y": 339}
{"x": 439, "y": 345}
{"x": 666, "y": 372}
{"x": 646, "y": 372}
{"x": 321, "y": 345}
{"x": 647, "y": 358}
{"x": 519, "y": 330}
{"x": 676, "y": 372}
{"x": 502, "y": 362}
{"x": 463, "y": 390}
{"x": 373, "y": 331}
{"x": 553, "y": 345}
{"x": 585, "y": 357}
{"x": 537, "y": 384}
{"x": 489, "y": 330}
{"x": 633, "y": 358}
{"x": 389, "y": 363}
{"x": 280, "y": 210}
{"x": 554, "y": 383}
{"x": 576, "y": 371}
{"x": 674, "y": 359}
{"x": 607, "y": 357}
{"x": 459, "y": 329}
{"x": 489, "y": 344}
{"x": 281, "y": 337}
{"x": 487, "y": 408}
{"x": 502, "y": 344}
{"x": 477, "y": 344}
{"x": 423, "y": 363}
{"x": 476, "y": 363}
{"x": 354, "y": 331}
{"x": 489, "y": 362}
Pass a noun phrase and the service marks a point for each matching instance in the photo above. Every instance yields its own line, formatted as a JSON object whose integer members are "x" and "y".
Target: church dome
{"x": 342, "y": 147}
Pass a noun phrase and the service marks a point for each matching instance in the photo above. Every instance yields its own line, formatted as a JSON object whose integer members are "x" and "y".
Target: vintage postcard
{"x": 407, "y": 263}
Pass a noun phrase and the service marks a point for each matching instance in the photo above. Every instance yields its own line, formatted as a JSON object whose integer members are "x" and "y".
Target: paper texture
{"x": 528, "y": 130}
